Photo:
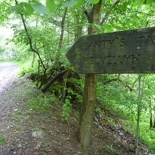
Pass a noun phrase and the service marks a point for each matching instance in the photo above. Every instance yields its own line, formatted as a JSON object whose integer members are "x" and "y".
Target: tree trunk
{"x": 89, "y": 98}
{"x": 87, "y": 112}
{"x": 140, "y": 91}
{"x": 78, "y": 27}
{"x": 150, "y": 111}
{"x": 153, "y": 123}
{"x": 61, "y": 37}
{"x": 153, "y": 118}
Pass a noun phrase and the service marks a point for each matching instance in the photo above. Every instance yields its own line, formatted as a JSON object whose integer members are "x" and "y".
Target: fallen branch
{"x": 52, "y": 80}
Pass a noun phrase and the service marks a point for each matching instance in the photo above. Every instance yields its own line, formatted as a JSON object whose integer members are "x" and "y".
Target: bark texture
{"x": 89, "y": 98}
{"x": 87, "y": 112}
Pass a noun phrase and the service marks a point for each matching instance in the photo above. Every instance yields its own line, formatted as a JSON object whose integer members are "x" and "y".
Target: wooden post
{"x": 89, "y": 97}
{"x": 87, "y": 111}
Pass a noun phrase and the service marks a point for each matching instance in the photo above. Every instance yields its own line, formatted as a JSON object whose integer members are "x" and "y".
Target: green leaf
{"x": 23, "y": 8}
{"x": 137, "y": 2}
{"x": 29, "y": 9}
{"x": 80, "y": 3}
{"x": 39, "y": 8}
{"x": 149, "y": 1}
{"x": 93, "y": 1}
{"x": 50, "y": 4}
{"x": 70, "y": 3}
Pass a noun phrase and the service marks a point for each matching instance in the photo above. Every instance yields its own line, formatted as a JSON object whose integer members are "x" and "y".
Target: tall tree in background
{"x": 139, "y": 107}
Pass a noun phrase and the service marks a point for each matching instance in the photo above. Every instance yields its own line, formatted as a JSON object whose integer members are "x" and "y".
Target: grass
{"x": 109, "y": 148}
{"x": 41, "y": 103}
{"x": 26, "y": 66}
{"x": 148, "y": 135}
{"x": 2, "y": 140}
{"x": 27, "y": 69}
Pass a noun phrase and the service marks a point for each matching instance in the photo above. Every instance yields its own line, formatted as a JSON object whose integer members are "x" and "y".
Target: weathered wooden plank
{"x": 131, "y": 51}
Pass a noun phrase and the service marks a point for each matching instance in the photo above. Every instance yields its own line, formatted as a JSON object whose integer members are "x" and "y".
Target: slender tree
{"x": 139, "y": 104}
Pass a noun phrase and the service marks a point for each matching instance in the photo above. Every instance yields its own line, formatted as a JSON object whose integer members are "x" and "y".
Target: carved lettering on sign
{"x": 146, "y": 40}
{"x": 103, "y": 43}
{"x": 119, "y": 52}
{"x": 113, "y": 60}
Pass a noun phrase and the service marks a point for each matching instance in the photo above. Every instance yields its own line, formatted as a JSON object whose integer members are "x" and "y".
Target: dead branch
{"x": 52, "y": 80}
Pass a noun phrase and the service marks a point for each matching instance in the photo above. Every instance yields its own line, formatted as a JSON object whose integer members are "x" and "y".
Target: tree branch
{"x": 119, "y": 80}
{"x": 52, "y": 80}
{"x": 86, "y": 12}
{"x": 29, "y": 38}
{"x": 109, "y": 11}
{"x": 125, "y": 85}
{"x": 62, "y": 28}
{"x": 111, "y": 80}
{"x": 61, "y": 37}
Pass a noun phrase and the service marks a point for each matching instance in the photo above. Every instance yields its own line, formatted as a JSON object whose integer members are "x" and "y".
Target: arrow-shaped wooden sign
{"x": 131, "y": 51}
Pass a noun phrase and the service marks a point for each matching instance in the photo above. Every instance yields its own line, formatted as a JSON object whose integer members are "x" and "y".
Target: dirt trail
{"x": 29, "y": 132}
{"x": 8, "y": 75}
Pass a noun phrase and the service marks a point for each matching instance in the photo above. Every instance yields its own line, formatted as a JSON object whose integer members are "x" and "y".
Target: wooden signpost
{"x": 131, "y": 51}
